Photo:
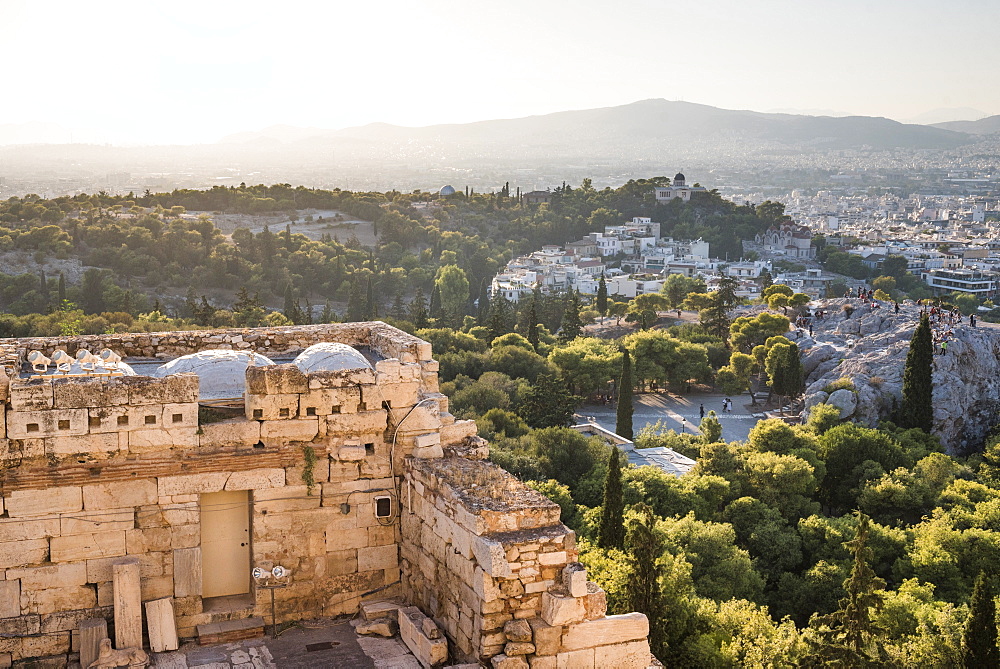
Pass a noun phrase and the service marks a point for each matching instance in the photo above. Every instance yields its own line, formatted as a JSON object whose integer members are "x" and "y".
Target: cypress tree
{"x": 611, "y": 533}
{"x": 328, "y": 315}
{"x": 918, "y": 386}
{"x": 643, "y": 593}
{"x": 290, "y": 306}
{"x": 398, "y": 311}
{"x": 602, "y": 297}
{"x": 532, "y": 324}
{"x": 355, "y": 303}
{"x": 623, "y": 425}
{"x": 436, "y": 311}
{"x": 483, "y": 304}
{"x": 62, "y": 288}
{"x": 572, "y": 326}
{"x": 418, "y": 310}
{"x": 371, "y": 310}
{"x": 979, "y": 640}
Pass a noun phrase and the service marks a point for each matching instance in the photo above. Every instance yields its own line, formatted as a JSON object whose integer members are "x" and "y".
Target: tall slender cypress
{"x": 979, "y": 640}
{"x": 611, "y": 533}
{"x": 371, "y": 310}
{"x": 918, "y": 387}
{"x": 436, "y": 311}
{"x": 533, "y": 320}
{"x": 643, "y": 593}
{"x": 572, "y": 326}
{"x": 483, "y": 304}
{"x": 62, "y": 288}
{"x": 623, "y": 425}
{"x": 602, "y": 297}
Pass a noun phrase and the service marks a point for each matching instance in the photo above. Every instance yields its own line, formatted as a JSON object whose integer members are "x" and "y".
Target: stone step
{"x": 228, "y": 631}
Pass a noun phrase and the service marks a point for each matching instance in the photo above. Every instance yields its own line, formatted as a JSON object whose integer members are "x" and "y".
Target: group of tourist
{"x": 943, "y": 322}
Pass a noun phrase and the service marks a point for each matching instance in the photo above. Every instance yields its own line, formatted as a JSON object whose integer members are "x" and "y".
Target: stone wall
{"x": 387, "y": 340}
{"x": 488, "y": 559}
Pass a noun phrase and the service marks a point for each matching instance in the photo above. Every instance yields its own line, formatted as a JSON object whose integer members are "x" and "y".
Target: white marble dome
{"x": 330, "y": 357}
{"x": 221, "y": 373}
{"x": 447, "y": 190}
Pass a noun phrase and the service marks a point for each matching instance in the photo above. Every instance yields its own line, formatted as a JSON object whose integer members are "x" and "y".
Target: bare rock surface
{"x": 869, "y": 347}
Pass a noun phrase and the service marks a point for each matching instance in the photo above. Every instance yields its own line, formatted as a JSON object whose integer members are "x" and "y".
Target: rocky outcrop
{"x": 869, "y": 347}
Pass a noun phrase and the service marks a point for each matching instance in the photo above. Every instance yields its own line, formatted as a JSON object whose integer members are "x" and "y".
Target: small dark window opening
{"x": 310, "y": 411}
{"x": 64, "y": 425}
{"x": 335, "y": 408}
{"x": 178, "y": 418}
{"x": 150, "y": 420}
{"x": 369, "y": 449}
{"x": 123, "y": 420}
{"x": 32, "y": 427}
{"x": 258, "y": 414}
{"x": 282, "y": 413}
{"x": 362, "y": 406}
{"x": 94, "y": 421}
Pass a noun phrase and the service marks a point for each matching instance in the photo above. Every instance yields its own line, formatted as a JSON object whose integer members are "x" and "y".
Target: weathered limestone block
{"x": 256, "y": 479}
{"x": 30, "y": 394}
{"x": 631, "y": 655}
{"x": 364, "y": 422}
{"x": 180, "y": 415}
{"x": 92, "y": 632}
{"x": 341, "y": 378}
{"x": 351, "y": 452}
{"x": 191, "y": 484}
{"x": 89, "y": 443}
{"x": 176, "y": 388}
{"x": 150, "y": 441}
{"x": 491, "y": 556}
{"x": 518, "y": 631}
{"x": 187, "y": 572}
{"x": 272, "y": 407}
{"x": 576, "y": 659}
{"x": 140, "y": 542}
{"x": 329, "y": 401}
{"x": 427, "y": 439}
{"x": 606, "y": 631}
{"x": 429, "y": 652}
{"x": 80, "y": 393}
{"x": 430, "y": 629}
{"x": 48, "y": 423}
{"x": 128, "y": 603}
{"x": 397, "y": 394}
{"x": 562, "y": 609}
{"x": 556, "y": 558}
{"x": 574, "y": 578}
{"x": 424, "y": 418}
{"x": 236, "y": 432}
{"x": 457, "y": 431}
{"x": 22, "y": 503}
{"x": 50, "y": 600}
{"x": 547, "y": 638}
{"x": 384, "y": 627}
{"x": 595, "y": 601}
{"x": 388, "y": 369}
{"x": 88, "y": 546}
{"x": 276, "y": 379}
{"x": 514, "y": 648}
{"x": 287, "y": 498}
{"x": 371, "y": 558}
{"x": 376, "y": 610}
{"x": 88, "y": 522}
{"x": 281, "y": 431}
{"x": 10, "y": 598}
{"x": 429, "y": 452}
{"x": 119, "y": 494}
{"x": 503, "y": 661}
{"x": 543, "y": 662}
{"x": 33, "y": 528}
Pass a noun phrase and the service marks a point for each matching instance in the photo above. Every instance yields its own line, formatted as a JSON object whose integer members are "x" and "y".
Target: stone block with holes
{"x": 47, "y": 423}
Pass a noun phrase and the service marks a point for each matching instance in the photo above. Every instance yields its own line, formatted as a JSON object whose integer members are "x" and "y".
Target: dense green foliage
{"x": 917, "y": 409}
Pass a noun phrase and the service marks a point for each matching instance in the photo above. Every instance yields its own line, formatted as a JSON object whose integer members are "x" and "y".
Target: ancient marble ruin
{"x": 138, "y": 508}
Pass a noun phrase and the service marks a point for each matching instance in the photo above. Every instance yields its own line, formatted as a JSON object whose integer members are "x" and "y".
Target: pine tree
{"x": 602, "y": 297}
{"x": 291, "y": 307}
{"x": 611, "y": 533}
{"x": 918, "y": 386}
{"x": 623, "y": 425}
{"x": 502, "y": 317}
{"x": 328, "y": 315}
{"x": 643, "y": 593}
{"x": 548, "y": 403}
{"x": 398, "y": 310}
{"x": 979, "y": 640}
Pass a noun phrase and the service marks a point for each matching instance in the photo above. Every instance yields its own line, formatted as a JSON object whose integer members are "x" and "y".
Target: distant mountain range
{"x": 654, "y": 124}
{"x": 984, "y": 126}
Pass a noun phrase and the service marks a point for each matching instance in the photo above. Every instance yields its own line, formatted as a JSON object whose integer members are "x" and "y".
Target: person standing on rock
{"x": 701, "y": 411}
{"x": 897, "y": 307}
{"x": 944, "y": 347}
{"x": 972, "y": 320}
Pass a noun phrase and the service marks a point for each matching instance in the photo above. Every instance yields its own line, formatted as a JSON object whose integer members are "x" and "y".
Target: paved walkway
{"x": 317, "y": 643}
{"x": 680, "y": 413}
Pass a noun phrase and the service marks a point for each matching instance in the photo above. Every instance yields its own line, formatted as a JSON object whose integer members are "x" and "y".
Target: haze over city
{"x": 185, "y": 72}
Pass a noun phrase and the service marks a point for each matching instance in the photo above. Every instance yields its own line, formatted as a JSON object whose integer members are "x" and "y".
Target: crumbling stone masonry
{"x": 96, "y": 469}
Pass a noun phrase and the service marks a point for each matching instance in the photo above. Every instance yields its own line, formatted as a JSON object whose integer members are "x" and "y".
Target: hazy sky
{"x": 181, "y": 71}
